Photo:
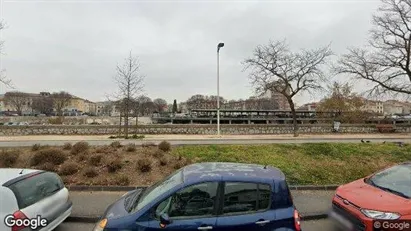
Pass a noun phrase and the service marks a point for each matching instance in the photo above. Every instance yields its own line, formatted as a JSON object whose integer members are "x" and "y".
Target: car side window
{"x": 240, "y": 197}
{"x": 192, "y": 201}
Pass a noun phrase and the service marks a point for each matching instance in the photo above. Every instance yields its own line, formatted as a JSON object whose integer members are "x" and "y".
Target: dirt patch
{"x": 101, "y": 165}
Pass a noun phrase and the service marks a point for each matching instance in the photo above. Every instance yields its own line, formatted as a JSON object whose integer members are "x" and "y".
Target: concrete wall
{"x": 187, "y": 129}
{"x": 74, "y": 120}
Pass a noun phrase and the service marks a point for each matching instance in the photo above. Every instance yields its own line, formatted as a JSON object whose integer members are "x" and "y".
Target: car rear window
{"x": 35, "y": 188}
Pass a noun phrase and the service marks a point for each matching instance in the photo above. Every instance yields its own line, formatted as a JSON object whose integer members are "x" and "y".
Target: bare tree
{"x": 385, "y": 62}
{"x": 130, "y": 84}
{"x": 3, "y": 77}
{"x": 160, "y": 104}
{"x": 61, "y": 100}
{"x": 43, "y": 104}
{"x": 274, "y": 67}
{"x": 16, "y": 100}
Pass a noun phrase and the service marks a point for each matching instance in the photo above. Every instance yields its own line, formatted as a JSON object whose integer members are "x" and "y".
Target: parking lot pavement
{"x": 93, "y": 204}
{"x": 323, "y": 225}
{"x": 71, "y": 226}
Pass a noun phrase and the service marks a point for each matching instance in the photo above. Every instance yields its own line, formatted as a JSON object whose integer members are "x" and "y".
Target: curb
{"x": 80, "y": 188}
{"x": 79, "y": 219}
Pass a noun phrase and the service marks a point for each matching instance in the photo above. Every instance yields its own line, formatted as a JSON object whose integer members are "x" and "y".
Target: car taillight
{"x": 19, "y": 215}
{"x": 297, "y": 220}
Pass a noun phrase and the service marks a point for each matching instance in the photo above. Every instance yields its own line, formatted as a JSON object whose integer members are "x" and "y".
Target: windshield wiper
{"x": 388, "y": 189}
{"x": 136, "y": 199}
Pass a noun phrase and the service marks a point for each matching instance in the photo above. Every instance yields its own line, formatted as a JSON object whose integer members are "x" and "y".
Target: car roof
{"x": 8, "y": 174}
{"x": 239, "y": 171}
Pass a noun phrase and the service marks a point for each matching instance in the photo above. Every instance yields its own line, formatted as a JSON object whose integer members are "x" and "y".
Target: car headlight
{"x": 100, "y": 225}
{"x": 380, "y": 215}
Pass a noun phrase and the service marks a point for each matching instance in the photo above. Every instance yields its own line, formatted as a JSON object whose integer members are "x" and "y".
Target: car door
{"x": 246, "y": 206}
{"x": 190, "y": 209}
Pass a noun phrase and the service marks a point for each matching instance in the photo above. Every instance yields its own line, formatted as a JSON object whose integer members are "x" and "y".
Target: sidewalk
{"x": 91, "y": 205}
{"x": 207, "y": 137}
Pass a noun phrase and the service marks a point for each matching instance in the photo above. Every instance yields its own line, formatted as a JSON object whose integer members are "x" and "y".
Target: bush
{"x": 114, "y": 165}
{"x": 69, "y": 168}
{"x": 122, "y": 180}
{"x": 139, "y": 137}
{"x": 95, "y": 160}
{"x": 131, "y": 148}
{"x": 116, "y": 144}
{"x": 144, "y": 165}
{"x": 90, "y": 172}
{"x": 148, "y": 144}
{"x": 164, "y": 146}
{"x": 67, "y": 146}
{"x": 82, "y": 157}
{"x": 178, "y": 165}
{"x": 79, "y": 147}
{"x": 50, "y": 167}
{"x": 112, "y": 137}
{"x": 8, "y": 158}
{"x": 49, "y": 155}
{"x": 35, "y": 147}
{"x": 163, "y": 161}
{"x": 158, "y": 154}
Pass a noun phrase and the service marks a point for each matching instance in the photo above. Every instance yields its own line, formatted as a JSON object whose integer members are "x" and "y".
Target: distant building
{"x": 373, "y": 106}
{"x": 308, "y": 107}
{"x": 392, "y": 107}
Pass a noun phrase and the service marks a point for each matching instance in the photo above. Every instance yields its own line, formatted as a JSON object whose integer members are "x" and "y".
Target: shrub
{"x": 90, "y": 172}
{"x": 69, "y": 168}
{"x": 139, "y": 137}
{"x": 35, "y": 147}
{"x": 112, "y": 137}
{"x": 51, "y": 155}
{"x": 178, "y": 165}
{"x": 8, "y": 158}
{"x": 82, "y": 157}
{"x": 116, "y": 144}
{"x": 78, "y": 147}
{"x": 131, "y": 148}
{"x": 114, "y": 165}
{"x": 67, "y": 146}
{"x": 48, "y": 167}
{"x": 158, "y": 154}
{"x": 148, "y": 144}
{"x": 164, "y": 146}
{"x": 95, "y": 160}
{"x": 163, "y": 161}
{"x": 144, "y": 165}
{"x": 122, "y": 180}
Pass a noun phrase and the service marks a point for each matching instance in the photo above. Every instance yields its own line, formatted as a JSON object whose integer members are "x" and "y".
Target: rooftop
{"x": 223, "y": 169}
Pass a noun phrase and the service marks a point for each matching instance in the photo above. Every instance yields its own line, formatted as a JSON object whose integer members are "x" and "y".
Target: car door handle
{"x": 262, "y": 222}
{"x": 205, "y": 227}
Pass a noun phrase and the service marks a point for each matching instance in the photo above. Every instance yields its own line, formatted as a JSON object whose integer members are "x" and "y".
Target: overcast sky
{"x": 75, "y": 45}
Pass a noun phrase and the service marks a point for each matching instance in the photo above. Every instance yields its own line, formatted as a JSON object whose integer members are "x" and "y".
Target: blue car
{"x": 208, "y": 196}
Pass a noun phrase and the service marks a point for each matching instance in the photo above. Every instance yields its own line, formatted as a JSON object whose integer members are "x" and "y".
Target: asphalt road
{"x": 206, "y": 142}
{"x": 323, "y": 225}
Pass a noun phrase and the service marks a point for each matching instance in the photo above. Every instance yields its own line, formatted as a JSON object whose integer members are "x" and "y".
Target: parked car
{"x": 205, "y": 196}
{"x": 384, "y": 195}
{"x": 28, "y": 193}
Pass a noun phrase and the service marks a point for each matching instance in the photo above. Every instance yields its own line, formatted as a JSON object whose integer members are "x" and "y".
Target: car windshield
{"x": 153, "y": 192}
{"x": 395, "y": 180}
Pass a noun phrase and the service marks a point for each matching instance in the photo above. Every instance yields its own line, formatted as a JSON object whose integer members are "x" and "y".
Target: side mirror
{"x": 165, "y": 219}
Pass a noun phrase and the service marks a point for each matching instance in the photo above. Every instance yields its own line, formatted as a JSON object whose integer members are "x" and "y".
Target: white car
{"x": 28, "y": 195}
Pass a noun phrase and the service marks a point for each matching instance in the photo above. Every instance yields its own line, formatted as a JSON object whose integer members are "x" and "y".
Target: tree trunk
{"x": 119, "y": 128}
{"x": 294, "y": 114}
{"x": 126, "y": 125}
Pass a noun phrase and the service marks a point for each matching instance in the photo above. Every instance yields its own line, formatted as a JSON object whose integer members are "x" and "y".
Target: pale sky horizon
{"x": 75, "y": 45}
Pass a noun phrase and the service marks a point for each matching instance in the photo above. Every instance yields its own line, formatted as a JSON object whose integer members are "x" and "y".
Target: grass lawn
{"x": 317, "y": 164}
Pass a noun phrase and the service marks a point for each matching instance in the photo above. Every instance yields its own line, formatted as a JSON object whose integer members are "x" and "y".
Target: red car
{"x": 374, "y": 202}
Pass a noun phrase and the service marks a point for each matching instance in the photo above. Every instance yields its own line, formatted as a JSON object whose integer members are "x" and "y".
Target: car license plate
{"x": 341, "y": 220}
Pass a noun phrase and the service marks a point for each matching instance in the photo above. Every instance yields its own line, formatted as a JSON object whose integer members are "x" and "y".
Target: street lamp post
{"x": 220, "y": 45}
